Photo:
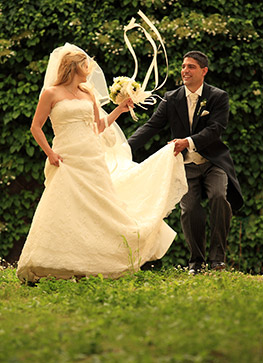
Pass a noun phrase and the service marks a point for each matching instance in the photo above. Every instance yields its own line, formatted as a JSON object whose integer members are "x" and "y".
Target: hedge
{"x": 229, "y": 32}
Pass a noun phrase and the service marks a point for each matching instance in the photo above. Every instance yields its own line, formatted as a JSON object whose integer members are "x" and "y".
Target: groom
{"x": 198, "y": 114}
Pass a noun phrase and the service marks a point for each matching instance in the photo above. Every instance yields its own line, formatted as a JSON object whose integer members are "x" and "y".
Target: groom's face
{"x": 192, "y": 74}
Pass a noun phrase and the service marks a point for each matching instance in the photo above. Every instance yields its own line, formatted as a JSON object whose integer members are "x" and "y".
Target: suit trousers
{"x": 211, "y": 180}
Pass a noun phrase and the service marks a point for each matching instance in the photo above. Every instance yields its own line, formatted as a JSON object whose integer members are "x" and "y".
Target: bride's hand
{"x": 54, "y": 158}
{"x": 126, "y": 105}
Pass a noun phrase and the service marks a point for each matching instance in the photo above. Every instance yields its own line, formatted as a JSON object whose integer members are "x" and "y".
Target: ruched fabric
{"x": 89, "y": 221}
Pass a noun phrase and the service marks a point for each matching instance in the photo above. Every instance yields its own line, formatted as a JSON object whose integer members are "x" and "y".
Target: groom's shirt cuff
{"x": 191, "y": 148}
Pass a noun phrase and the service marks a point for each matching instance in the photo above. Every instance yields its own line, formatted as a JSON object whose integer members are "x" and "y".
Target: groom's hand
{"x": 179, "y": 145}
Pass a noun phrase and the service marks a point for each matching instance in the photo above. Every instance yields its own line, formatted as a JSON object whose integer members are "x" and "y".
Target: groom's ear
{"x": 205, "y": 70}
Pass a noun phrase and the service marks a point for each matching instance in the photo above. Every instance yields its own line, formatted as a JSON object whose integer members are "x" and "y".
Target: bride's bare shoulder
{"x": 53, "y": 90}
{"x": 52, "y": 95}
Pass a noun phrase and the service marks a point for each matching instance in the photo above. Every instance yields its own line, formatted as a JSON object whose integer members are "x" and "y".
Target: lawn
{"x": 152, "y": 316}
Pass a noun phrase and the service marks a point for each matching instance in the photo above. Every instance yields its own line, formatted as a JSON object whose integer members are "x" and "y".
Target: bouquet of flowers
{"x": 125, "y": 87}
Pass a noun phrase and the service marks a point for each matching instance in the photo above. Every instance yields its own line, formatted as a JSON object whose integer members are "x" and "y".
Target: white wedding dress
{"x": 95, "y": 218}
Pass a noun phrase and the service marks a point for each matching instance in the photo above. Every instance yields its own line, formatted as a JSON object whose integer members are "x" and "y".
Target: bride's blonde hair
{"x": 72, "y": 63}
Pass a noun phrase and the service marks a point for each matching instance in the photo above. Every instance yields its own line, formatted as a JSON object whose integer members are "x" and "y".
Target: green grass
{"x": 163, "y": 316}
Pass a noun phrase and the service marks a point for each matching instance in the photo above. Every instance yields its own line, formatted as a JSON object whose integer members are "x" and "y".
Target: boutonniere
{"x": 202, "y": 104}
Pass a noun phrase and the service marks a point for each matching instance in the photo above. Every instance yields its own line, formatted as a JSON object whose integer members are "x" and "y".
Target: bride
{"x": 100, "y": 212}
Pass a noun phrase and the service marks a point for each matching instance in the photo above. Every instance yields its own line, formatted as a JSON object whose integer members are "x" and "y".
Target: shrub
{"x": 230, "y": 32}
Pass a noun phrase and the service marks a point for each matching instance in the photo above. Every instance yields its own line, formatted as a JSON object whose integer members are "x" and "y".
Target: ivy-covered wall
{"x": 228, "y": 31}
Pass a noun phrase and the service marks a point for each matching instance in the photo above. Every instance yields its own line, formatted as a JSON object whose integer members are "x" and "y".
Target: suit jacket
{"x": 206, "y": 130}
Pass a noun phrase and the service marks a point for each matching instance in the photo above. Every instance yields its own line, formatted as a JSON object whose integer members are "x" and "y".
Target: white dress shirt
{"x": 192, "y": 156}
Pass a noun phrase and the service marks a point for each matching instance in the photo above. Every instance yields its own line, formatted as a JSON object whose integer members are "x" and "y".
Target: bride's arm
{"x": 42, "y": 111}
{"x": 123, "y": 107}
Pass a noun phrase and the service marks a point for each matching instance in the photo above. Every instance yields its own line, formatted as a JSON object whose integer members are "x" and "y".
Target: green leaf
{"x": 30, "y": 150}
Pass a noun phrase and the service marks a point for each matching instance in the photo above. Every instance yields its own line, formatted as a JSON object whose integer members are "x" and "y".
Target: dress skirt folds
{"x": 91, "y": 219}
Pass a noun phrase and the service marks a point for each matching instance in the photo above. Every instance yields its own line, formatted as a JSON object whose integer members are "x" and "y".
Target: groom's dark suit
{"x": 206, "y": 130}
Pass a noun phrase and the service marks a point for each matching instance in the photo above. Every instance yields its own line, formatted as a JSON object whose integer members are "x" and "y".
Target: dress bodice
{"x": 70, "y": 111}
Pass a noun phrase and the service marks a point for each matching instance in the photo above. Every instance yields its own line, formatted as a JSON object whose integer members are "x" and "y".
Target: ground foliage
{"x": 230, "y": 32}
{"x": 149, "y": 317}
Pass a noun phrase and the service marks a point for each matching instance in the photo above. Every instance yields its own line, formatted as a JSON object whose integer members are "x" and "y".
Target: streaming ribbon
{"x": 149, "y": 96}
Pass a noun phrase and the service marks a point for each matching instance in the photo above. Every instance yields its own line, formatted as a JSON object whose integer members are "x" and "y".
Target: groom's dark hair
{"x": 200, "y": 57}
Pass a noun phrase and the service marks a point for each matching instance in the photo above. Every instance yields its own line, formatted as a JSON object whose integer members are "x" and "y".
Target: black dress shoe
{"x": 194, "y": 270}
{"x": 217, "y": 265}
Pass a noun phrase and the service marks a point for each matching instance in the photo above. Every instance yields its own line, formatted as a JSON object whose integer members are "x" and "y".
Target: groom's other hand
{"x": 179, "y": 145}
